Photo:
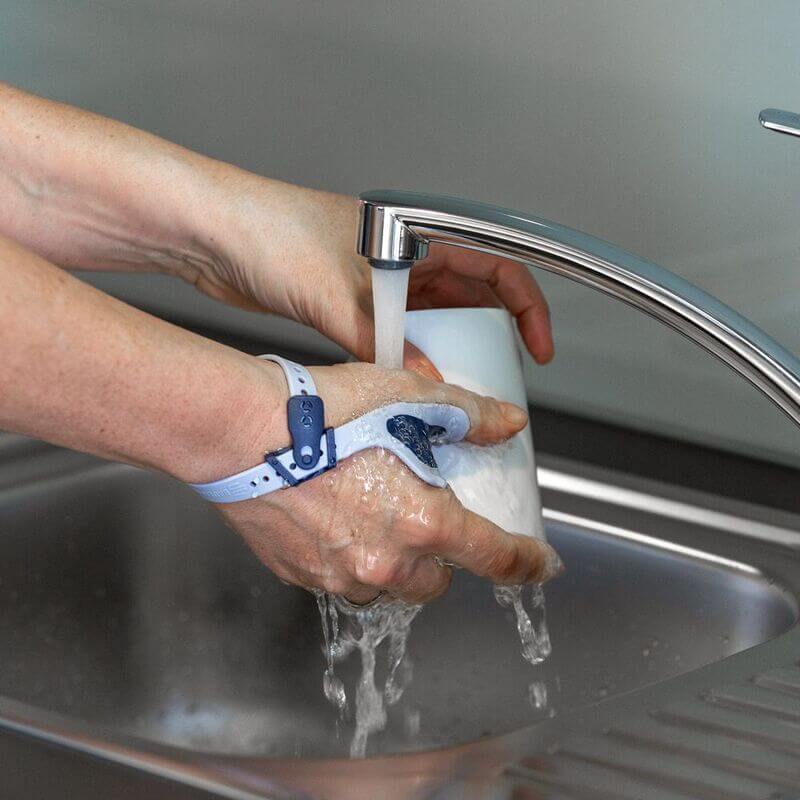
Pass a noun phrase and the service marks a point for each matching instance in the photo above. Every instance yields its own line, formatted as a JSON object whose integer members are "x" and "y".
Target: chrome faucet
{"x": 397, "y": 227}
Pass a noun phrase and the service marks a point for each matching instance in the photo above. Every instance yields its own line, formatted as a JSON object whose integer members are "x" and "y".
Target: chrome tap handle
{"x": 774, "y": 119}
{"x": 398, "y": 226}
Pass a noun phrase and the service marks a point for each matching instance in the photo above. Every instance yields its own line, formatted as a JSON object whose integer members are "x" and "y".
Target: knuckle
{"x": 474, "y": 407}
{"x": 543, "y": 307}
{"x": 506, "y": 564}
{"x": 335, "y": 584}
{"x": 378, "y": 572}
{"x": 423, "y": 536}
{"x": 421, "y": 589}
{"x": 446, "y": 516}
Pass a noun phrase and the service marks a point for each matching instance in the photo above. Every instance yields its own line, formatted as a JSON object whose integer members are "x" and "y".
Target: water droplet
{"x": 412, "y": 722}
{"x": 537, "y": 695}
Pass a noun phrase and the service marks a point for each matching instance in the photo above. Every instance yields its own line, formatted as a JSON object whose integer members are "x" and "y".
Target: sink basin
{"x": 129, "y": 607}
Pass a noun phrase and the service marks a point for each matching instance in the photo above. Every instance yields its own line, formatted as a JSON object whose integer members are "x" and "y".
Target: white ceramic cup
{"x": 476, "y": 348}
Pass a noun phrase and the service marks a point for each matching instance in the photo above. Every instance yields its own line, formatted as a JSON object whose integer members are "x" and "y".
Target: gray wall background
{"x": 634, "y": 121}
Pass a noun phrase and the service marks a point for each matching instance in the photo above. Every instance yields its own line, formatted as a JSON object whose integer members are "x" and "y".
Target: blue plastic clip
{"x": 306, "y": 418}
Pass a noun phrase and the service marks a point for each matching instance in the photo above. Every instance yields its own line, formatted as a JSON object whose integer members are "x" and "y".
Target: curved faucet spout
{"x": 398, "y": 226}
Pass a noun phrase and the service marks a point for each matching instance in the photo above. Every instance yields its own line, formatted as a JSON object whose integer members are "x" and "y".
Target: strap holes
{"x": 253, "y": 483}
{"x": 265, "y": 478}
{"x": 303, "y": 391}
{"x": 302, "y": 380}
{"x": 293, "y": 465}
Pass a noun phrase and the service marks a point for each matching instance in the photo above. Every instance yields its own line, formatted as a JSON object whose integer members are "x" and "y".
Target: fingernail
{"x": 514, "y": 414}
{"x": 552, "y": 565}
{"x": 546, "y": 357}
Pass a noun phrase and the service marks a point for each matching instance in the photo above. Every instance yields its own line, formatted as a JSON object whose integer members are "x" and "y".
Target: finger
{"x": 519, "y": 292}
{"x": 414, "y": 359}
{"x": 338, "y": 582}
{"x": 513, "y": 285}
{"x": 427, "y": 581}
{"x": 350, "y": 390}
{"x": 487, "y": 550}
{"x": 490, "y": 420}
{"x": 435, "y": 286}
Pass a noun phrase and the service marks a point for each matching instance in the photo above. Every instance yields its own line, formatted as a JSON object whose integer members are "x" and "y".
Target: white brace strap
{"x": 406, "y": 429}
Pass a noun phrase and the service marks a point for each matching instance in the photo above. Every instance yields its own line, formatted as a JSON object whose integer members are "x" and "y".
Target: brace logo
{"x": 415, "y": 435}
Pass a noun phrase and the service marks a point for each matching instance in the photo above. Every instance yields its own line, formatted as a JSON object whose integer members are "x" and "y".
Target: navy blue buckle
{"x": 306, "y": 419}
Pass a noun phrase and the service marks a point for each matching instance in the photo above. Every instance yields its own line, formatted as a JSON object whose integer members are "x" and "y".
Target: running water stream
{"x": 389, "y": 293}
{"x": 347, "y": 628}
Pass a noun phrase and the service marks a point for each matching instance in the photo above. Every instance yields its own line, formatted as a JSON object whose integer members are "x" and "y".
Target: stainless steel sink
{"x": 134, "y": 624}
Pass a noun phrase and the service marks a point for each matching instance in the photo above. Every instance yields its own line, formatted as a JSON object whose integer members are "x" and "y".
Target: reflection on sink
{"x": 126, "y": 602}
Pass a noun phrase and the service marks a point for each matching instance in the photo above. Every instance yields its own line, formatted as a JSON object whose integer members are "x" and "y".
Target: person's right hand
{"x": 370, "y": 525}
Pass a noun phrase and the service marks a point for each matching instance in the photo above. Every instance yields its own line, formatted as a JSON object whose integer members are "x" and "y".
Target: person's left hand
{"x": 291, "y": 251}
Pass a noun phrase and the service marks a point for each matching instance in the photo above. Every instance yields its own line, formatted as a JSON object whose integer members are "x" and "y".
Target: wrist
{"x": 245, "y": 420}
{"x": 272, "y": 241}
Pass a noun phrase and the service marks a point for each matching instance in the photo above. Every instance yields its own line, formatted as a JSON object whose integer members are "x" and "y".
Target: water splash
{"x": 347, "y": 628}
{"x": 332, "y": 685}
{"x": 477, "y": 474}
{"x": 531, "y": 625}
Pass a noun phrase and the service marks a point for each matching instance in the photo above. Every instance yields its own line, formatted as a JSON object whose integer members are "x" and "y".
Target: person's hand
{"x": 292, "y": 251}
{"x": 370, "y": 525}
{"x": 122, "y": 199}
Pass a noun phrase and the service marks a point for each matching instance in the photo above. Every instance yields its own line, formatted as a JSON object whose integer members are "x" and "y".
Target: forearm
{"x": 88, "y": 192}
{"x": 81, "y": 369}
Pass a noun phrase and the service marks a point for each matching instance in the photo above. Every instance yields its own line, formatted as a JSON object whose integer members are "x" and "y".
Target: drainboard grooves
{"x": 671, "y": 773}
{"x": 565, "y": 787}
{"x": 736, "y": 742}
{"x": 780, "y": 680}
{"x": 755, "y": 700}
{"x": 740, "y": 759}
{"x": 777, "y": 736}
{"x": 703, "y": 751}
{"x": 583, "y": 781}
